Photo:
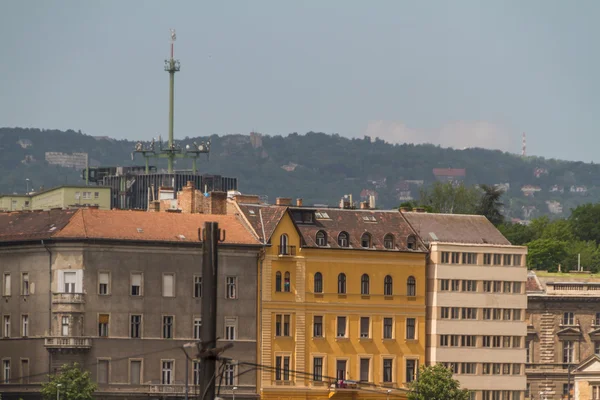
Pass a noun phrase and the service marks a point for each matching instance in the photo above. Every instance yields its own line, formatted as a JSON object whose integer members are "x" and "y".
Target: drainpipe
{"x": 261, "y": 258}
{"x": 49, "y": 303}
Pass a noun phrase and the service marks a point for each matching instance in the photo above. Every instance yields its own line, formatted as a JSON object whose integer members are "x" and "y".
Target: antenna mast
{"x": 524, "y": 147}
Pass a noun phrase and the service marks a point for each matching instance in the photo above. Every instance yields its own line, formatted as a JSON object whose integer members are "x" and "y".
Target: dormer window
{"x": 365, "y": 240}
{"x": 388, "y": 241}
{"x": 321, "y": 239}
{"x": 411, "y": 242}
{"x": 343, "y": 239}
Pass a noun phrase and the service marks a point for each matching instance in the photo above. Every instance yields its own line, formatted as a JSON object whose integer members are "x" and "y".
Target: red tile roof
{"x": 263, "y": 218}
{"x": 32, "y": 226}
{"x": 449, "y": 171}
{"x": 533, "y": 285}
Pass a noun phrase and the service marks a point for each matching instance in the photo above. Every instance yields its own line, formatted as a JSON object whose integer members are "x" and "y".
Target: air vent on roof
{"x": 252, "y": 213}
{"x": 433, "y": 236}
{"x": 140, "y": 230}
{"x": 181, "y": 237}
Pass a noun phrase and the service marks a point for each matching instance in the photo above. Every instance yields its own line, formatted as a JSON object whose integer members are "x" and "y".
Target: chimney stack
{"x": 298, "y": 202}
{"x": 364, "y": 205}
{"x": 404, "y": 209}
{"x": 283, "y": 201}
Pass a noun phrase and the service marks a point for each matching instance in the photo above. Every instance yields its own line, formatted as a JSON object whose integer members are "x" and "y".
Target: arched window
{"x": 342, "y": 283}
{"x": 364, "y": 284}
{"x": 365, "y": 240}
{"x": 411, "y": 242}
{"x": 286, "y": 282}
{"x": 278, "y": 281}
{"x": 321, "y": 239}
{"x": 388, "y": 286}
{"x": 388, "y": 241}
{"x": 283, "y": 245}
{"x": 343, "y": 239}
{"x": 411, "y": 286}
{"x": 318, "y": 283}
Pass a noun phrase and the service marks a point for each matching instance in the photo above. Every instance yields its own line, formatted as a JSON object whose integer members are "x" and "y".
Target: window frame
{"x": 318, "y": 283}
{"x": 25, "y": 284}
{"x": 99, "y": 361}
{"x": 411, "y": 286}
{"x": 343, "y": 240}
{"x": 231, "y": 322}
{"x": 138, "y": 325}
{"x": 278, "y": 282}
{"x": 321, "y": 238}
{"x": 365, "y": 283}
{"x": 342, "y": 288}
{"x": 173, "y": 286}
{"x": 414, "y": 329}
{"x": 366, "y": 238}
{"x": 388, "y": 286}
{"x": 231, "y": 284}
{"x": 140, "y": 287}
{"x": 197, "y": 287}
{"x": 392, "y": 327}
{"x": 337, "y": 327}
{"x": 171, "y": 326}
{"x": 108, "y": 284}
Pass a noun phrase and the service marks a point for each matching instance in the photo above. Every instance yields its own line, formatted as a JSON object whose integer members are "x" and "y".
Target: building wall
{"x": 73, "y": 196}
{"x": 15, "y": 203}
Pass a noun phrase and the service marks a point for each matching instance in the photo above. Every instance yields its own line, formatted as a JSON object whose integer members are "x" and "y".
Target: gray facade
{"x": 80, "y": 307}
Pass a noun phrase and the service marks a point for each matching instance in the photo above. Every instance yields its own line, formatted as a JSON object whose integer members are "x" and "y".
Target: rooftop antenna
{"x": 172, "y": 151}
{"x": 524, "y": 147}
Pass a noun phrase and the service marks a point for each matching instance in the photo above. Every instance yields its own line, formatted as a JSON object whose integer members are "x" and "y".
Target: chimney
{"x": 283, "y": 201}
{"x": 299, "y": 202}
{"x": 246, "y": 198}
{"x": 216, "y": 203}
{"x": 364, "y": 205}
{"x": 345, "y": 202}
{"x": 404, "y": 209}
{"x": 186, "y": 199}
{"x": 372, "y": 201}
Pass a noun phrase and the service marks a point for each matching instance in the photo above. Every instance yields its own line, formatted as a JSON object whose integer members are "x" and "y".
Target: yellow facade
{"x": 59, "y": 197}
{"x": 300, "y": 305}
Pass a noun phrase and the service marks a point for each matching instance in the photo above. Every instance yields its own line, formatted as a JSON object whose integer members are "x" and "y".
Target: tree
{"x": 546, "y": 254}
{"x": 450, "y": 198}
{"x": 436, "y": 383}
{"x": 75, "y": 384}
{"x": 490, "y": 205}
{"x": 584, "y": 221}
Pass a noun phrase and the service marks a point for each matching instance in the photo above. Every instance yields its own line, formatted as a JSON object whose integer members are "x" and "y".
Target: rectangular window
{"x": 410, "y": 328}
{"x": 25, "y": 284}
{"x": 497, "y": 259}
{"x": 469, "y": 286}
{"x": 455, "y": 285}
{"x": 487, "y": 313}
{"x": 197, "y": 286}
{"x": 487, "y": 286}
{"x": 7, "y": 286}
{"x": 445, "y": 312}
{"x": 516, "y": 315}
{"x": 507, "y": 287}
{"x": 197, "y": 373}
{"x": 64, "y": 326}
{"x": 506, "y": 314}
{"x": 231, "y": 287}
{"x": 455, "y": 313}
{"x": 496, "y": 369}
{"x": 445, "y": 257}
{"x": 229, "y": 374}
{"x": 24, "y": 325}
{"x": 167, "y": 372}
{"x": 70, "y": 279}
{"x": 341, "y": 327}
{"x": 487, "y": 341}
{"x": 455, "y": 258}
{"x": 365, "y": 369}
{"x": 340, "y": 370}
{"x": 6, "y": 326}
{"x": 517, "y": 287}
{"x": 445, "y": 284}
{"x": 136, "y": 284}
{"x": 25, "y": 371}
{"x": 286, "y": 325}
{"x": 517, "y": 260}
{"x": 388, "y": 325}
{"x": 102, "y": 372}
{"x": 516, "y": 369}
{"x": 197, "y": 328}
{"x": 468, "y": 368}
{"x": 318, "y": 369}
{"x": 135, "y": 372}
{"x": 168, "y": 285}
{"x": 103, "y": 278}
{"x": 387, "y": 370}
{"x": 487, "y": 369}
{"x": 497, "y": 313}
{"x": 318, "y": 326}
{"x": 506, "y": 341}
{"x": 568, "y": 318}
{"x": 167, "y": 331}
{"x": 6, "y": 370}
{"x": 278, "y": 325}
{"x": 528, "y": 358}
{"x": 103, "y": 325}
{"x": 507, "y": 259}
{"x": 444, "y": 340}
{"x": 568, "y": 351}
{"x": 469, "y": 258}
{"x": 282, "y": 368}
{"x": 230, "y": 328}
{"x": 364, "y": 327}
{"x": 286, "y": 368}
{"x": 516, "y": 342}
{"x": 96, "y": 195}
{"x": 505, "y": 369}
{"x": 469, "y": 313}
{"x": 468, "y": 340}
{"x": 454, "y": 340}
{"x": 487, "y": 259}
{"x": 136, "y": 326}
{"x": 411, "y": 370}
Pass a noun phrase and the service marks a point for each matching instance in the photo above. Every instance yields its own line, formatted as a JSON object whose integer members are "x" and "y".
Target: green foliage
{"x": 75, "y": 384}
{"x": 436, "y": 383}
{"x": 517, "y": 234}
{"x": 490, "y": 205}
{"x": 546, "y": 254}
{"x": 585, "y": 221}
{"x": 450, "y": 198}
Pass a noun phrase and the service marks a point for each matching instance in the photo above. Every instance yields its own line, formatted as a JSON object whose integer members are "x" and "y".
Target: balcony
{"x": 286, "y": 250}
{"x": 67, "y": 344}
{"x": 68, "y": 302}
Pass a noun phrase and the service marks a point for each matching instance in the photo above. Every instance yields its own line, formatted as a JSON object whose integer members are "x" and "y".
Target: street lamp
{"x": 58, "y": 385}
{"x": 187, "y": 365}
{"x": 27, "y": 180}
{"x": 233, "y": 391}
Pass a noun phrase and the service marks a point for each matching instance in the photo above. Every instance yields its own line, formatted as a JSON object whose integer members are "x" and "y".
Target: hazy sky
{"x": 456, "y": 73}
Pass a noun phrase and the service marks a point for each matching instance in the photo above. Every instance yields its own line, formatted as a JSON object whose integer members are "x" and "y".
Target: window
{"x": 232, "y": 287}
{"x": 135, "y": 372}
{"x": 282, "y": 368}
{"x": 517, "y": 287}
{"x": 7, "y": 326}
{"x": 487, "y": 286}
{"x": 568, "y": 318}
{"x": 167, "y": 327}
{"x": 229, "y": 374}
{"x": 96, "y": 195}
{"x": 517, "y": 260}
{"x": 388, "y": 328}
{"x": 283, "y": 245}
{"x": 469, "y": 313}
{"x": 445, "y": 285}
{"x": 318, "y": 369}
{"x": 136, "y": 326}
{"x": 445, "y": 257}
{"x": 197, "y": 328}
{"x": 364, "y": 284}
{"x": 365, "y": 240}
{"x": 388, "y": 286}
{"x": 507, "y": 259}
{"x": 364, "y": 327}
{"x": 342, "y": 283}
{"x": 455, "y": 285}
{"x": 25, "y": 371}
{"x": 6, "y": 291}
{"x": 167, "y": 372}
{"x": 387, "y": 370}
{"x": 469, "y": 258}
{"x": 343, "y": 239}
{"x": 318, "y": 326}
{"x": 410, "y": 328}
{"x": 230, "y": 328}
{"x": 444, "y": 340}
{"x": 411, "y": 286}
{"x": 278, "y": 281}
{"x": 568, "y": 351}
{"x": 103, "y": 278}
{"x": 321, "y": 239}
{"x": 340, "y": 370}
{"x": 454, "y": 340}
{"x": 411, "y": 370}
{"x": 445, "y": 312}
{"x": 487, "y": 369}
{"x": 24, "y": 325}
{"x": 136, "y": 284}
{"x": 341, "y": 327}
{"x": 197, "y": 369}
{"x": 70, "y": 279}
{"x": 516, "y": 315}
{"x": 411, "y": 243}
{"x": 468, "y": 340}
{"x": 388, "y": 241}
{"x": 318, "y": 282}
{"x": 365, "y": 369}
{"x": 516, "y": 369}
{"x": 506, "y": 314}
{"x": 468, "y": 368}
{"x": 507, "y": 287}
{"x": 528, "y": 358}
{"x": 197, "y": 287}
{"x": 455, "y": 258}
{"x": 455, "y": 313}
{"x": 103, "y": 325}
{"x": 497, "y": 259}
{"x": 286, "y": 325}
{"x": 168, "y": 285}
{"x": 64, "y": 326}
{"x": 487, "y": 259}
{"x": 497, "y": 287}
{"x": 487, "y": 313}
{"x": 102, "y": 371}
{"x": 487, "y": 341}
{"x": 286, "y": 282}
{"x": 469, "y": 286}
{"x": 25, "y": 284}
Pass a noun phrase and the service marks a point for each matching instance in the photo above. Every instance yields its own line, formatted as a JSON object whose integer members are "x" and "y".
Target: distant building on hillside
{"x": 76, "y": 160}
{"x": 530, "y": 190}
{"x": 554, "y": 207}
{"x": 578, "y": 189}
{"x": 450, "y": 174}
{"x": 557, "y": 189}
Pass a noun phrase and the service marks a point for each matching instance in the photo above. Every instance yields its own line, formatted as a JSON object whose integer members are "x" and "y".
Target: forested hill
{"x": 318, "y": 167}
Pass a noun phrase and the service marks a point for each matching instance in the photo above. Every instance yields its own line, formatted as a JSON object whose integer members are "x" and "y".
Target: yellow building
{"x": 343, "y": 302}
{"x": 58, "y": 197}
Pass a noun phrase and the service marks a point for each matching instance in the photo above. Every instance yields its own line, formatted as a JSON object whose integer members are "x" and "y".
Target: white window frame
{"x": 167, "y": 371}
{"x": 360, "y": 333}
{"x": 165, "y": 277}
{"x": 231, "y": 284}
{"x": 6, "y": 370}
{"x": 231, "y": 326}
{"x": 164, "y": 325}
{"x": 6, "y": 325}
{"x": 197, "y": 328}
{"x": 25, "y": 325}
{"x": 141, "y": 287}
{"x": 6, "y": 284}
{"x": 230, "y": 374}
{"x": 25, "y": 284}
{"x": 100, "y": 283}
{"x": 141, "y": 361}
{"x": 63, "y": 325}
{"x": 140, "y": 327}
{"x": 337, "y": 322}
{"x": 358, "y": 367}
{"x": 197, "y": 282}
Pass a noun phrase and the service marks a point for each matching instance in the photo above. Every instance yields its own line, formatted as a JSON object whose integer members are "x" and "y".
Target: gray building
{"x": 120, "y": 293}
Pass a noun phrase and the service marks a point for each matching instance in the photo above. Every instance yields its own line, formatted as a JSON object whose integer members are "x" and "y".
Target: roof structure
{"x": 455, "y": 228}
{"x": 32, "y": 226}
{"x": 263, "y": 218}
{"x": 449, "y": 171}
{"x": 563, "y": 285}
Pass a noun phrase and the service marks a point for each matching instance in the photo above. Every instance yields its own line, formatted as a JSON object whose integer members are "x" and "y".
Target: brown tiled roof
{"x": 32, "y": 226}
{"x": 263, "y": 217}
{"x": 149, "y": 226}
{"x": 356, "y": 223}
{"x": 455, "y": 228}
{"x": 533, "y": 284}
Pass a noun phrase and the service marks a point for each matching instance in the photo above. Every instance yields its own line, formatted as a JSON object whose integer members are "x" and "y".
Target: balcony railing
{"x": 67, "y": 342}
{"x": 68, "y": 298}
{"x": 287, "y": 250}
{"x": 175, "y": 388}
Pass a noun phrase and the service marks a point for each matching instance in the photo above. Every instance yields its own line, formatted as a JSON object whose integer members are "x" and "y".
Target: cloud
{"x": 457, "y": 134}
